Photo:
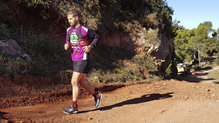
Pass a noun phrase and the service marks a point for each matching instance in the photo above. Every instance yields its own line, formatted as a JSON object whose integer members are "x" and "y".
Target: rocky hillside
{"x": 130, "y": 30}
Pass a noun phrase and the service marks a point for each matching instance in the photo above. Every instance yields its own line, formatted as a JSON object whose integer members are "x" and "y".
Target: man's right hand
{"x": 66, "y": 46}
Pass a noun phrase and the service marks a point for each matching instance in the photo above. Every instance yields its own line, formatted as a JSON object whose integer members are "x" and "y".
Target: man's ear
{"x": 77, "y": 18}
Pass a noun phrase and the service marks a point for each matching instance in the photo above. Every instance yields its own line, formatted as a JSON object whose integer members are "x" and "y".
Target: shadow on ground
{"x": 108, "y": 88}
{"x": 205, "y": 68}
{"x": 3, "y": 118}
{"x": 2, "y": 115}
{"x": 196, "y": 78}
{"x": 142, "y": 99}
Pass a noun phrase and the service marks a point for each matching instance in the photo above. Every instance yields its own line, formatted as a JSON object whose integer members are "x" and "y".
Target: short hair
{"x": 73, "y": 12}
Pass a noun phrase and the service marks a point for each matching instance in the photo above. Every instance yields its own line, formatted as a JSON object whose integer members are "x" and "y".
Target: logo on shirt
{"x": 74, "y": 39}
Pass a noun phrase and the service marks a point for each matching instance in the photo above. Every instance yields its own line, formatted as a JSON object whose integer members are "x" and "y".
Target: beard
{"x": 73, "y": 24}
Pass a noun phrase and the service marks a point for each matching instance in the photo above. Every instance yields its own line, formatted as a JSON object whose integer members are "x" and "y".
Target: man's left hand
{"x": 87, "y": 48}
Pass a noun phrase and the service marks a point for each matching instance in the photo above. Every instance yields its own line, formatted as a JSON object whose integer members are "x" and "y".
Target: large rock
{"x": 12, "y": 49}
{"x": 156, "y": 44}
{"x": 163, "y": 53}
{"x": 117, "y": 39}
{"x": 150, "y": 41}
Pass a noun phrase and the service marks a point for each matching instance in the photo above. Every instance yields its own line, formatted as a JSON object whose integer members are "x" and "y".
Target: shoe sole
{"x": 100, "y": 102}
{"x": 75, "y": 112}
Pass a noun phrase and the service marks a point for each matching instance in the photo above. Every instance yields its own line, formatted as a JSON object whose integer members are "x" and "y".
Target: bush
{"x": 2, "y": 66}
{"x": 217, "y": 59}
{"x": 14, "y": 66}
{"x": 127, "y": 67}
{"x": 145, "y": 60}
{"x": 120, "y": 74}
{"x": 4, "y": 31}
{"x": 125, "y": 15}
{"x": 214, "y": 76}
{"x": 47, "y": 55}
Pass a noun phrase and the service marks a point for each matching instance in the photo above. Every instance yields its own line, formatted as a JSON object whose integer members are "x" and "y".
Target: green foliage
{"x": 4, "y": 31}
{"x": 14, "y": 66}
{"x": 47, "y": 55}
{"x": 191, "y": 43}
{"x": 2, "y": 66}
{"x": 145, "y": 60}
{"x": 3, "y": 13}
{"x": 151, "y": 37}
{"x": 122, "y": 74}
{"x": 216, "y": 45}
{"x": 214, "y": 75}
{"x": 98, "y": 14}
{"x": 176, "y": 26}
{"x": 218, "y": 31}
{"x": 34, "y": 3}
{"x": 127, "y": 68}
{"x": 217, "y": 59}
{"x": 182, "y": 47}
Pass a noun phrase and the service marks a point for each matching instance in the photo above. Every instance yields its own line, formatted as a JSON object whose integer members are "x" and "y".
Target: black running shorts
{"x": 81, "y": 66}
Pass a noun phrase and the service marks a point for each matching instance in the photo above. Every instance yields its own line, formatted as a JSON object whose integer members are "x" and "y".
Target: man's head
{"x": 73, "y": 17}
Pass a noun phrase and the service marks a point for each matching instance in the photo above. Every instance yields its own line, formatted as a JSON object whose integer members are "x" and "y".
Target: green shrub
{"x": 14, "y": 66}
{"x": 145, "y": 60}
{"x": 122, "y": 66}
{"x": 47, "y": 55}
{"x": 4, "y": 31}
{"x": 125, "y": 74}
{"x": 2, "y": 66}
{"x": 125, "y": 15}
{"x": 217, "y": 59}
{"x": 214, "y": 76}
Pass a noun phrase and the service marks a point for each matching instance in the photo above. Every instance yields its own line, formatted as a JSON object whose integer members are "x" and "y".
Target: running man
{"x": 76, "y": 41}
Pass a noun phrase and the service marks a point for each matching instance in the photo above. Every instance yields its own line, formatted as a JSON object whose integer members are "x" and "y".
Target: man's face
{"x": 72, "y": 20}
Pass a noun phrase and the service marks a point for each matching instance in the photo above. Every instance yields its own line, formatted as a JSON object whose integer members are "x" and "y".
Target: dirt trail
{"x": 201, "y": 75}
{"x": 167, "y": 101}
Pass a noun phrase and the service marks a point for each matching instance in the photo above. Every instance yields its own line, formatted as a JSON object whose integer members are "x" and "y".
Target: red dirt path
{"x": 169, "y": 101}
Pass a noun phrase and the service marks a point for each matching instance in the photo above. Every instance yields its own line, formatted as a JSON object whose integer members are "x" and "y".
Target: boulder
{"x": 149, "y": 41}
{"x": 12, "y": 49}
{"x": 163, "y": 53}
{"x": 157, "y": 45}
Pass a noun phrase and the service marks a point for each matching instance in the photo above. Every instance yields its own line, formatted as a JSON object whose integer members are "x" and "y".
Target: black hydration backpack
{"x": 78, "y": 33}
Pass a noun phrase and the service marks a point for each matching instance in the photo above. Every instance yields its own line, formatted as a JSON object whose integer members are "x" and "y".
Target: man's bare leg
{"x": 87, "y": 86}
{"x": 90, "y": 89}
{"x": 76, "y": 77}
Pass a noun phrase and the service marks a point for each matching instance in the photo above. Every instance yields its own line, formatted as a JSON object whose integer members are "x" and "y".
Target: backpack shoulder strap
{"x": 69, "y": 33}
{"x": 78, "y": 33}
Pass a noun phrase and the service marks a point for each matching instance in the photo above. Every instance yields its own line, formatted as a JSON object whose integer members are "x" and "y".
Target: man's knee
{"x": 76, "y": 78}
{"x": 74, "y": 82}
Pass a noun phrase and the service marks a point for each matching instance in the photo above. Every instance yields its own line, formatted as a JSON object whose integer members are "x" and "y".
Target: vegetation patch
{"x": 48, "y": 56}
{"x": 214, "y": 76}
{"x": 109, "y": 68}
